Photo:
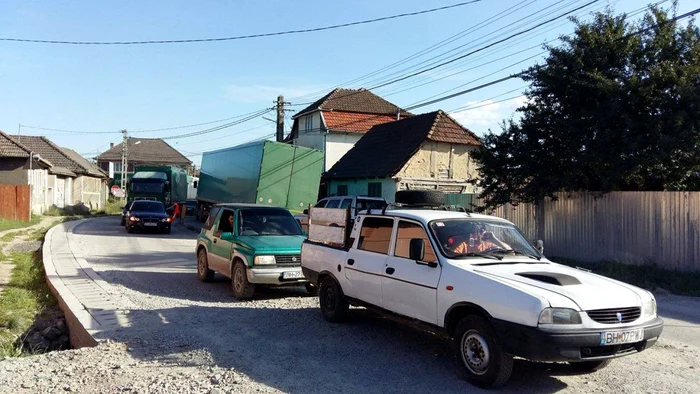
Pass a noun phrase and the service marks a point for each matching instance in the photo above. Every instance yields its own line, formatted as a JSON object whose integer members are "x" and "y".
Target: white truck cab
{"x": 478, "y": 280}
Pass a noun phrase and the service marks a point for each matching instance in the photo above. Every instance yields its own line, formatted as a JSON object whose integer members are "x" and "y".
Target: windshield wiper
{"x": 472, "y": 254}
{"x": 532, "y": 256}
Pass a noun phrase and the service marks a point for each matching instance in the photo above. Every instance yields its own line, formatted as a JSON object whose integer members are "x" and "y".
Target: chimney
{"x": 111, "y": 145}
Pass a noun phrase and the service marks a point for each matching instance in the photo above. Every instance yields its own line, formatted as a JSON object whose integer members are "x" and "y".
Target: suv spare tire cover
{"x": 419, "y": 197}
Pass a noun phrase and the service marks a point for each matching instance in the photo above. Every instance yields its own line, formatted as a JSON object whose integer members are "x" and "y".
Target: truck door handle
{"x": 389, "y": 270}
{"x": 351, "y": 261}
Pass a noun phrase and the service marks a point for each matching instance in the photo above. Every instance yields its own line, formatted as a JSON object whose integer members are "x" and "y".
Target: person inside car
{"x": 225, "y": 225}
{"x": 478, "y": 242}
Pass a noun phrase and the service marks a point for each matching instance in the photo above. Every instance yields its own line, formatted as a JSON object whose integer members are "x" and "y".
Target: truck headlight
{"x": 649, "y": 308}
{"x": 559, "y": 316}
{"x": 264, "y": 260}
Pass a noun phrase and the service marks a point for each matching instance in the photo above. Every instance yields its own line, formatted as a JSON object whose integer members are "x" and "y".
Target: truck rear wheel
{"x": 479, "y": 355}
{"x": 333, "y": 305}
{"x": 242, "y": 289}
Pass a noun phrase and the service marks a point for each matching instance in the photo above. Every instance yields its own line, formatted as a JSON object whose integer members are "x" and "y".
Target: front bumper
{"x": 275, "y": 275}
{"x": 160, "y": 226}
{"x": 536, "y": 344}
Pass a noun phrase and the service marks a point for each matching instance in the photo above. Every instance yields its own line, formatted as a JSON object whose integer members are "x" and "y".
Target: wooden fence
{"x": 15, "y": 202}
{"x": 638, "y": 228}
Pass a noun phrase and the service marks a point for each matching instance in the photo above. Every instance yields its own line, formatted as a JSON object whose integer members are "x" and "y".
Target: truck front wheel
{"x": 333, "y": 305}
{"x": 242, "y": 289}
{"x": 479, "y": 355}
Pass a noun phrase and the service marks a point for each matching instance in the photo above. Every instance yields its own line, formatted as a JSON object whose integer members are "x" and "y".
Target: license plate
{"x": 292, "y": 275}
{"x": 150, "y": 224}
{"x": 608, "y": 338}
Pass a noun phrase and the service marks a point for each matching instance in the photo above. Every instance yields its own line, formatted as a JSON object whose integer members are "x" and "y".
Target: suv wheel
{"x": 333, "y": 305}
{"x": 242, "y": 289}
{"x": 479, "y": 355}
{"x": 203, "y": 272}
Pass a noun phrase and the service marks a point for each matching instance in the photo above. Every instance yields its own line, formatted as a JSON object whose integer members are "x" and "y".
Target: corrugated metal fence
{"x": 14, "y": 202}
{"x": 629, "y": 227}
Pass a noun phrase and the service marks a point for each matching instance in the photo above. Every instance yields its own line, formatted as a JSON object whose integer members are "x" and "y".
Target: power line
{"x": 243, "y": 36}
{"x": 220, "y": 127}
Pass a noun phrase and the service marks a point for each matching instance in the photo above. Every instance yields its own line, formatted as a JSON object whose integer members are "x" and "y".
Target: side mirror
{"x": 306, "y": 211}
{"x": 416, "y": 249}
{"x": 540, "y": 246}
{"x": 227, "y": 236}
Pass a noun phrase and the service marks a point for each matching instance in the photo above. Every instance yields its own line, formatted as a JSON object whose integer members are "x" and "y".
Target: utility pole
{"x": 280, "y": 118}
{"x": 125, "y": 161}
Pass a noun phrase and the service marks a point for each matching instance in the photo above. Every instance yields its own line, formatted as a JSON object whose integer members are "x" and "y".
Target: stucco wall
{"x": 440, "y": 164}
{"x": 89, "y": 191}
{"x": 337, "y": 145}
{"x": 12, "y": 171}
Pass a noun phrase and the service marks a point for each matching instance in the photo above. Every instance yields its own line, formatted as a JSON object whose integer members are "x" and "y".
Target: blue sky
{"x": 108, "y": 88}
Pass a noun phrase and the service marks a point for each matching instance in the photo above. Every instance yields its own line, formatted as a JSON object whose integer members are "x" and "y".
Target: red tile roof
{"x": 354, "y": 122}
{"x": 353, "y": 100}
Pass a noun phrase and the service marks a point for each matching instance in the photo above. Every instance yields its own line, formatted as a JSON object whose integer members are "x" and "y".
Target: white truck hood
{"x": 589, "y": 291}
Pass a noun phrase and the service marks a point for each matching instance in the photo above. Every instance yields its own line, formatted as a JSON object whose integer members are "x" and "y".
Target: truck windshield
{"x": 146, "y": 187}
{"x": 147, "y": 206}
{"x": 267, "y": 222}
{"x": 478, "y": 238}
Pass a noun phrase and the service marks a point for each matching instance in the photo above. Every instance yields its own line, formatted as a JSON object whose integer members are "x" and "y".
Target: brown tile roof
{"x": 62, "y": 164}
{"x": 386, "y": 148}
{"x": 10, "y": 148}
{"x": 91, "y": 169}
{"x": 354, "y": 122}
{"x": 354, "y": 100}
{"x": 147, "y": 150}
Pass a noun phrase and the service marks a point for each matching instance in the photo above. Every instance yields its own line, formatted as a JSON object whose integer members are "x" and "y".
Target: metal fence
{"x": 639, "y": 228}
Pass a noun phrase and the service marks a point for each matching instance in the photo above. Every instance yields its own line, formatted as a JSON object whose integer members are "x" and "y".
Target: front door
{"x": 60, "y": 192}
{"x": 220, "y": 248}
{"x": 410, "y": 287}
{"x": 366, "y": 263}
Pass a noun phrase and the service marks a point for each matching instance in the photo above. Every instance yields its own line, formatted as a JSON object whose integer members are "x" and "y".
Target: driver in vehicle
{"x": 225, "y": 226}
{"x": 480, "y": 241}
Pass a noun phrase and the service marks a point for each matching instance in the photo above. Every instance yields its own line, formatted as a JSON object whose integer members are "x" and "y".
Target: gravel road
{"x": 187, "y": 336}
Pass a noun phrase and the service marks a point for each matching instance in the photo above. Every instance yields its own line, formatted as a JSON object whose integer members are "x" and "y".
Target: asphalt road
{"x": 280, "y": 340}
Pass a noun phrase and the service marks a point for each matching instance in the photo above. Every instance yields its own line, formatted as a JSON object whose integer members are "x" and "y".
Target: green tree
{"x": 616, "y": 107}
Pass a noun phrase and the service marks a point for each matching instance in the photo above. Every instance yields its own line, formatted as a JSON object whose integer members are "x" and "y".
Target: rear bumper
{"x": 275, "y": 275}
{"x": 580, "y": 345}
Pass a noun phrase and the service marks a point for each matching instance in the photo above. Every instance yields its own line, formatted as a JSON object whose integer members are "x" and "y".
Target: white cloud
{"x": 488, "y": 114}
{"x": 257, "y": 93}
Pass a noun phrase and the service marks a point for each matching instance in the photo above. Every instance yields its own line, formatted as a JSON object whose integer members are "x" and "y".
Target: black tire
{"x": 479, "y": 355}
{"x": 203, "y": 272}
{"x": 242, "y": 289}
{"x": 123, "y": 221}
{"x": 167, "y": 231}
{"x": 311, "y": 289}
{"x": 420, "y": 197}
{"x": 590, "y": 366}
{"x": 129, "y": 229}
{"x": 333, "y": 305}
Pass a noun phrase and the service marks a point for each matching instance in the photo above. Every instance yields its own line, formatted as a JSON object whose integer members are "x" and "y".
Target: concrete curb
{"x": 77, "y": 318}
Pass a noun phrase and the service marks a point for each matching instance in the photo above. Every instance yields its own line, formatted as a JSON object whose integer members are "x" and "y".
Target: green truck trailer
{"x": 261, "y": 172}
{"x": 167, "y": 184}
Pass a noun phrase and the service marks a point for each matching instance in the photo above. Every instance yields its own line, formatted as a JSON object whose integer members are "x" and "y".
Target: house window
{"x": 374, "y": 189}
{"x": 308, "y": 123}
{"x": 342, "y": 190}
{"x": 117, "y": 167}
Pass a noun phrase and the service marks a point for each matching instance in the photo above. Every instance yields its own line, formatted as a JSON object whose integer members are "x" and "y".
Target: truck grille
{"x": 288, "y": 259}
{"x": 610, "y": 316}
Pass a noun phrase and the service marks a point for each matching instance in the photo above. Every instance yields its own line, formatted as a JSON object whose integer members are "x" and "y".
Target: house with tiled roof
{"x": 21, "y": 166}
{"x": 429, "y": 151}
{"x": 73, "y": 180}
{"x": 336, "y": 121}
{"x": 140, "y": 151}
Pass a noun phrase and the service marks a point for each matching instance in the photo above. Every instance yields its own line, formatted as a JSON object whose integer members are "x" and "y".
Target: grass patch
{"x": 11, "y": 235}
{"x": 25, "y": 297}
{"x": 649, "y": 276}
{"x": 13, "y": 224}
{"x": 114, "y": 207}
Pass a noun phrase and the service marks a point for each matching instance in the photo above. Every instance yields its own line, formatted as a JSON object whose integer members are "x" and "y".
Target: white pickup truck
{"x": 476, "y": 279}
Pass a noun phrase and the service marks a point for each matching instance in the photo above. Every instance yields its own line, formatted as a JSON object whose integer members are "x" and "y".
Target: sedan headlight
{"x": 165, "y": 220}
{"x": 264, "y": 260}
{"x": 559, "y": 316}
{"x": 649, "y": 308}
{"x": 134, "y": 219}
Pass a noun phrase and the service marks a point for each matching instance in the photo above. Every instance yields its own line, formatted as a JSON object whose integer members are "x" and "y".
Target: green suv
{"x": 253, "y": 245}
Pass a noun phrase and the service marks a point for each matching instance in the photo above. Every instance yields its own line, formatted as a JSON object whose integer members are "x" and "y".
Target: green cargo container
{"x": 262, "y": 172}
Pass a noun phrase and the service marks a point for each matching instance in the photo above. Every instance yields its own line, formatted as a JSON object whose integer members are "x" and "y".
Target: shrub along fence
{"x": 661, "y": 228}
